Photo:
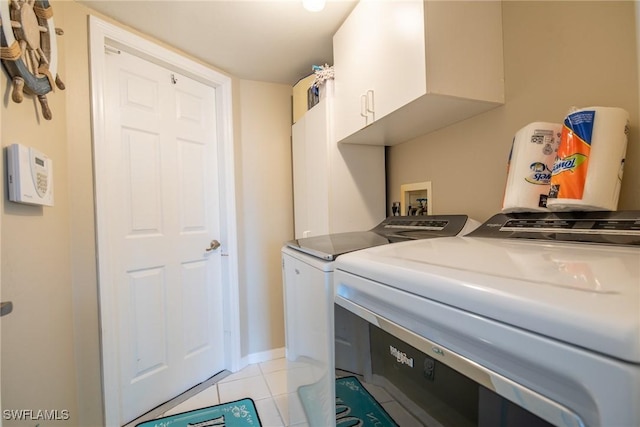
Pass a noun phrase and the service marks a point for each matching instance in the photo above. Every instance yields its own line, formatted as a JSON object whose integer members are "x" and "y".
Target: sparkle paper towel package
{"x": 531, "y": 160}
{"x": 587, "y": 172}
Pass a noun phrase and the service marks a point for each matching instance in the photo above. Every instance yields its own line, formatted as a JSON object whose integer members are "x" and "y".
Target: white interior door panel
{"x": 164, "y": 211}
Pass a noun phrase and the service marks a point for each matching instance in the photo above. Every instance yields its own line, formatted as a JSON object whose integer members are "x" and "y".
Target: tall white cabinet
{"x": 337, "y": 187}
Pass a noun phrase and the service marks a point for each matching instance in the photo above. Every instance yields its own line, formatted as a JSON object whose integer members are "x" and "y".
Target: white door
{"x": 164, "y": 215}
{"x": 317, "y": 169}
{"x": 300, "y": 186}
{"x": 310, "y": 170}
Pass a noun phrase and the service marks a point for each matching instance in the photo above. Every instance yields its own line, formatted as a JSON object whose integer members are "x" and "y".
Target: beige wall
{"x": 51, "y": 343}
{"x": 81, "y": 214}
{"x": 38, "y": 359}
{"x": 557, "y": 55}
{"x": 266, "y": 211}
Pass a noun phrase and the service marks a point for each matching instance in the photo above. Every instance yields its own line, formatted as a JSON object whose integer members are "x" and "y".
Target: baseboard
{"x": 263, "y": 356}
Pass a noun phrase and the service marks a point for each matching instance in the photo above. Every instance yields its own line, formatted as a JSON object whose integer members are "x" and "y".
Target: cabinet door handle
{"x": 370, "y": 106}
{"x": 363, "y": 106}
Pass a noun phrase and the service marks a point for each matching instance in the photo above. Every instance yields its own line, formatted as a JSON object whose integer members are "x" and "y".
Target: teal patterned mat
{"x": 354, "y": 405}
{"x": 241, "y": 413}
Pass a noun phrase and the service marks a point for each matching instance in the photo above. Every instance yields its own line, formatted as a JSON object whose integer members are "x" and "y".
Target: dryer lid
{"x": 584, "y": 294}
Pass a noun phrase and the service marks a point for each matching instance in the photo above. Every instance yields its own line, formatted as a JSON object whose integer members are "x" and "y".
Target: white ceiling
{"x": 266, "y": 40}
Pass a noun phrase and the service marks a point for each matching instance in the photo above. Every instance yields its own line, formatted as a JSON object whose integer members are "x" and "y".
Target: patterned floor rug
{"x": 241, "y": 413}
{"x": 354, "y": 405}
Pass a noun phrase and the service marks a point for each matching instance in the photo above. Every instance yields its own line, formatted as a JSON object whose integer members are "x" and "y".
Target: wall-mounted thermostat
{"x": 30, "y": 175}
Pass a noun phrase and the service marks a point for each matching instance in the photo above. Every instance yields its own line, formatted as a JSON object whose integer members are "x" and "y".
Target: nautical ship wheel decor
{"x": 28, "y": 49}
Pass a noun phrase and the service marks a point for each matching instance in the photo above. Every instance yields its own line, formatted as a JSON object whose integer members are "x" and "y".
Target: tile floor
{"x": 266, "y": 384}
{"x": 263, "y": 382}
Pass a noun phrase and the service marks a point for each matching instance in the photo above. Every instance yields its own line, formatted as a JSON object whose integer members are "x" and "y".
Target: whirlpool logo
{"x": 401, "y": 357}
{"x": 568, "y": 164}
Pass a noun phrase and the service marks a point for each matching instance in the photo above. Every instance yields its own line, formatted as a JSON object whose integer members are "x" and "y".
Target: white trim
{"x": 263, "y": 356}
{"x": 102, "y": 34}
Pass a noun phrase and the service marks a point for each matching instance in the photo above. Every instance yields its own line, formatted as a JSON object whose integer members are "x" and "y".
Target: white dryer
{"x": 308, "y": 265}
{"x": 530, "y": 320}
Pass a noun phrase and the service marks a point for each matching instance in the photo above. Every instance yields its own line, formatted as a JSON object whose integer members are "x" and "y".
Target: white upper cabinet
{"x": 405, "y": 68}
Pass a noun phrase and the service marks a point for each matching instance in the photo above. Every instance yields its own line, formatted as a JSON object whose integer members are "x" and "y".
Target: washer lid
{"x": 329, "y": 246}
{"x": 584, "y": 294}
{"x": 392, "y": 229}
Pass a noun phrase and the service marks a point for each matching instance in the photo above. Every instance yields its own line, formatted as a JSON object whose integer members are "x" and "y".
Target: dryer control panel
{"x": 401, "y": 228}
{"x": 613, "y": 227}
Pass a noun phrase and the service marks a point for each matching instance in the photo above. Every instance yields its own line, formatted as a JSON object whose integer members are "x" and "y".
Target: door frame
{"x": 104, "y": 35}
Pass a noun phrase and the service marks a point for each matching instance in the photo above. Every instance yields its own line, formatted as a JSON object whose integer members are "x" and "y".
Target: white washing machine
{"x": 530, "y": 320}
{"x": 308, "y": 266}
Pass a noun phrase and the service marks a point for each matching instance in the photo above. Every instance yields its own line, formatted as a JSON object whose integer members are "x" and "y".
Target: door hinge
{"x": 111, "y": 49}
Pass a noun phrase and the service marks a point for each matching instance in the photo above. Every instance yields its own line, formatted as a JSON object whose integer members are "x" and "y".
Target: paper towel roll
{"x": 587, "y": 173}
{"x": 533, "y": 152}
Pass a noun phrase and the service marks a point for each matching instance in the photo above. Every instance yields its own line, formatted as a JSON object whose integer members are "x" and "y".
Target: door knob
{"x": 213, "y": 246}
